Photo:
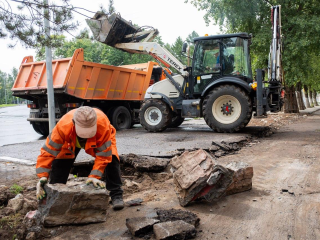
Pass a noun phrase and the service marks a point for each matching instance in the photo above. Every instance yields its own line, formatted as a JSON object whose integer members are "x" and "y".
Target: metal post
{"x": 50, "y": 93}
{"x": 260, "y": 110}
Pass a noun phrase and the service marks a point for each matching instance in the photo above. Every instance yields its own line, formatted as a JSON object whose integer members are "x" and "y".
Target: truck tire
{"x": 121, "y": 118}
{"x": 227, "y": 108}
{"x": 155, "y": 115}
{"x": 41, "y": 127}
{"x": 36, "y": 127}
{"x": 176, "y": 121}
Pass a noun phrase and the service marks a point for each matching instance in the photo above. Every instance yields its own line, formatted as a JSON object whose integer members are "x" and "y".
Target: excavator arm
{"x": 121, "y": 34}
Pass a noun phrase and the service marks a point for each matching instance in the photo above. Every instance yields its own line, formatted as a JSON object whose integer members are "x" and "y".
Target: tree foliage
{"x": 23, "y": 20}
{"x": 300, "y": 29}
{"x": 6, "y": 83}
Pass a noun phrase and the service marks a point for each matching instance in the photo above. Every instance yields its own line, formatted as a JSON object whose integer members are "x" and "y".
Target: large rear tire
{"x": 227, "y": 108}
{"x": 155, "y": 115}
{"x": 121, "y": 118}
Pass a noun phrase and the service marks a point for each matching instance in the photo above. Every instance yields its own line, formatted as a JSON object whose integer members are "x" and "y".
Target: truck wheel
{"x": 227, "y": 108}
{"x": 155, "y": 115}
{"x": 121, "y": 118}
{"x": 41, "y": 127}
{"x": 176, "y": 121}
{"x": 36, "y": 127}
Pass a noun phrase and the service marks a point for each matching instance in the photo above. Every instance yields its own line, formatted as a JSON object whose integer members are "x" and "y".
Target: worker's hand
{"x": 41, "y": 193}
{"x": 96, "y": 182}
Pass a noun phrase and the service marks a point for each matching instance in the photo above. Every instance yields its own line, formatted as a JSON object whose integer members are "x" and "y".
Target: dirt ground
{"x": 284, "y": 202}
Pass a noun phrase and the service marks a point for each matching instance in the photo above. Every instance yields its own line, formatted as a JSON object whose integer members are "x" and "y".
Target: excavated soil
{"x": 283, "y": 203}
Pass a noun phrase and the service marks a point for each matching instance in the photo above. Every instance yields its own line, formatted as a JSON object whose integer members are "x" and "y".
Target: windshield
{"x": 235, "y": 58}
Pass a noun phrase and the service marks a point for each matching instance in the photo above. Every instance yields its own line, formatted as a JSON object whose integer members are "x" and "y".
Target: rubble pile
{"x": 145, "y": 163}
{"x": 169, "y": 224}
{"x": 196, "y": 175}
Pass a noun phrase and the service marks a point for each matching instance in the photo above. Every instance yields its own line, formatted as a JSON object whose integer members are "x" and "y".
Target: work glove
{"x": 41, "y": 193}
{"x": 96, "y": 182}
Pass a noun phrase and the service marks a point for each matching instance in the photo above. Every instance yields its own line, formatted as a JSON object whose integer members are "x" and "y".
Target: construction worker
{"x": 90, "y": 129}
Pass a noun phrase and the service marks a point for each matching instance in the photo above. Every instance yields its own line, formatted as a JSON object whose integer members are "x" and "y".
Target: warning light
{"x": 206, "y": 35}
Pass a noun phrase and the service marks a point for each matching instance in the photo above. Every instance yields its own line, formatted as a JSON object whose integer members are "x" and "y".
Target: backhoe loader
{"x": 218, "y": 86}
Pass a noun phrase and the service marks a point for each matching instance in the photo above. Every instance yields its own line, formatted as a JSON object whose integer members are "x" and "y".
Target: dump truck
{"x": 117, "y": 90}
{"x": 218, "y": 86}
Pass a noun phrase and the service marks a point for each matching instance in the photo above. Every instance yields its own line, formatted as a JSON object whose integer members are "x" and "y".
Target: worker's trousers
{"x": 62, "y": 167}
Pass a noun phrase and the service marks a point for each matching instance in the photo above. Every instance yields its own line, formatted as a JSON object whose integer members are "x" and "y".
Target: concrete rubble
{"x": 197, "y": 175}
{"x": 166, "y": 215}
{"x": 145, "y": 163}
{"x": 169, "y": 224}
{"x": 140, "y": 226}
{"x": 73, "y": 203}
{"x": 174, "y": 230}
{"x": 242, "y": 177}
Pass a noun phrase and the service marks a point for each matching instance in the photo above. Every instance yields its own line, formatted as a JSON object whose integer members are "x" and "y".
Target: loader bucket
{"x": 110, "y": 29}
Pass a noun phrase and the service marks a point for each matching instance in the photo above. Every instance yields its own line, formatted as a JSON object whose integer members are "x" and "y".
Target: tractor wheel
{"x": 155, "y": 115}
{"x": 121, "y": 118}
{"x": 176, "y": 121}
{"x": 227, "y": 108}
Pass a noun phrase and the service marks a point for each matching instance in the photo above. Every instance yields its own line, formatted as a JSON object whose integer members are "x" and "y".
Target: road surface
{"x": 14, "y": 127}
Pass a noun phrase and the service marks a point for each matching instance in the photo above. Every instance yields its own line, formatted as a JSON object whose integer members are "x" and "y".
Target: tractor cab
{"x": 220, "y": 56}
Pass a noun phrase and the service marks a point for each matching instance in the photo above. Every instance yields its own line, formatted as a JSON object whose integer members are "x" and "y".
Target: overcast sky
{"x": 172, "y": 18}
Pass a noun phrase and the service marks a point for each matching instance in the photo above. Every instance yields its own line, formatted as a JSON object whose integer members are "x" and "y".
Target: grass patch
{"x": 7, "y": 105}
{"x": 16, "y": 189}
{"x": 11, "y": 221}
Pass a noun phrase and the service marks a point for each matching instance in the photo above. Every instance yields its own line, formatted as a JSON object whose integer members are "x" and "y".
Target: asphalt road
{"x": 19, "y": 140}
{"x": 14, "y": 127}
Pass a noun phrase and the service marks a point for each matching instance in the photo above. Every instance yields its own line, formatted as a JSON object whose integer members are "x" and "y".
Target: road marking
{"x": 17, "y": 160}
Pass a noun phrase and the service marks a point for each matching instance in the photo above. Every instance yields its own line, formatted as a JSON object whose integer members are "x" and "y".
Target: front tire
{"x": 155, "y": 115}
{"x": 227, "y": 108}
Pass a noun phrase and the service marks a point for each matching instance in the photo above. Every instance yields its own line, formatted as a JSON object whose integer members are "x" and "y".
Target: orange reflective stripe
{"x": 104, "y": 154}
{"x": 52, "y": 152}
{"x": 54, "y": 144}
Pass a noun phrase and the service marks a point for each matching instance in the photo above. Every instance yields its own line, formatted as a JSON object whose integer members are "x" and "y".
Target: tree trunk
{"x": 315, "y": 98}
{"x": 299, "y": 96}
{"x": 306, "y": 94}
{"x": 290, "y": 101}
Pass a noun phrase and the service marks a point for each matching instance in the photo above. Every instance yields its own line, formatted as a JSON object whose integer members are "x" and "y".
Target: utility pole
{"x": 50, "y": 93}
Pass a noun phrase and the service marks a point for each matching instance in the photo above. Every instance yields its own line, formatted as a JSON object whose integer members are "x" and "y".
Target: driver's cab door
{"x": 207, "y": 63}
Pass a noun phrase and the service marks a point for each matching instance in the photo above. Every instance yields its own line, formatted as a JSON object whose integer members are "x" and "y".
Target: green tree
{"x": 22, "y": 20}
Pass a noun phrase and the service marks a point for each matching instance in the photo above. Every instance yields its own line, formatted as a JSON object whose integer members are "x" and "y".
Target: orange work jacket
{"x": 61, "y": 144}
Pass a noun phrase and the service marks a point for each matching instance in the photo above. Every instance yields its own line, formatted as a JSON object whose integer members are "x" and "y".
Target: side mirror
{"x": 184, "y": 47}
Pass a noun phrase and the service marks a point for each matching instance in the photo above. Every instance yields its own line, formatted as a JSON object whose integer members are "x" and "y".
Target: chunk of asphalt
{"x": 140, "y": 226}
{"x": 177, "y": 230}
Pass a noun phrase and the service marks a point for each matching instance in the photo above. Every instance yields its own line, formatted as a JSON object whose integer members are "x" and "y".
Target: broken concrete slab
{"x": 145, "y": 163}
{"x": 140, "y": 226}
{"x": 73, "y": 203}
{"x": 16, "y": 203}
{"x": 197, "y": 175}
{"x": 242, "y": 177}
{"x": 166, "y": 215}
{"x": 174, "y": 230}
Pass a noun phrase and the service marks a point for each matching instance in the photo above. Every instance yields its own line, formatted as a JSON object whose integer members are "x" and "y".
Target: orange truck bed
{"x": 85, "y": 80}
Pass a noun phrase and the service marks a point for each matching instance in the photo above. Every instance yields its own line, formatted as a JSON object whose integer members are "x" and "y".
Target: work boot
{"x": 117, "y": 203}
